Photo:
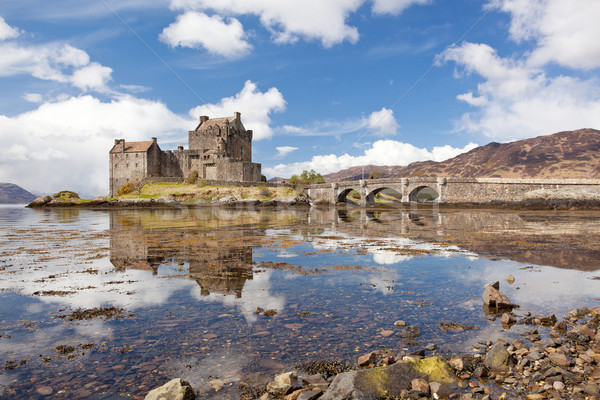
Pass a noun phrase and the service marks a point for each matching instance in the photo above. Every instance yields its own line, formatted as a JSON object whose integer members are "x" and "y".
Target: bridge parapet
{"x": 449, "y": 189}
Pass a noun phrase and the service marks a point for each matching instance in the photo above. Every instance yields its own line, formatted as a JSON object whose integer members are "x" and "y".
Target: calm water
{"x": 179, "y": 290}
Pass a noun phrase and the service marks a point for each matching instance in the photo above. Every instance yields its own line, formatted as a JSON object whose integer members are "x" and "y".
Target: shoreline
{"x": 232, "y": 202}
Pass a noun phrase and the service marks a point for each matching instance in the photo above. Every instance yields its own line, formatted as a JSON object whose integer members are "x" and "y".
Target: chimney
{"x": 154, "y": 140}
{"x": 121, "y": 145}
{"x": 180, "y": 147}
{"x": 238, "y": 120}
{"x": 203, "y": 119}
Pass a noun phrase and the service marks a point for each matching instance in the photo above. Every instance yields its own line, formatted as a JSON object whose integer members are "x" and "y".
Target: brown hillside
{"x": 570, "y": 154}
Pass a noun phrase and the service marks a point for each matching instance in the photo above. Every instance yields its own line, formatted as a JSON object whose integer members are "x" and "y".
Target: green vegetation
{"x": 307, "y": 177}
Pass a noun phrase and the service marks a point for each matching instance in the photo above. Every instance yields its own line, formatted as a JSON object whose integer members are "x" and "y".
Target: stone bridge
{"x": 448, "y": 190}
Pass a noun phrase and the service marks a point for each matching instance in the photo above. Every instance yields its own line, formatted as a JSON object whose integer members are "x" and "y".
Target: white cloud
{"x": 566, "y": 32}
{"x": 193, "y": 29}
{"x": 382, "y": 152}
{"x": 284, "y": 151}
{"x": 290, "y": 20}
{"x": 472, "y": 100}
{"x": 7, "y": 31}
{"x": 254, "y": 105}
{"x": 56, "y": 62}
{"x": 41, "y": 147}
{"x": 518, "y": 101}
{"x": 33, "y": 97}
{"x": 395, "y": 7}
{"x": 382, "y": 122}
{"x": 92, "y": 77}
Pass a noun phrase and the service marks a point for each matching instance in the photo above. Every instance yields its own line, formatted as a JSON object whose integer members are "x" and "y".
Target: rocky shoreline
{"x": 565, "y": 365}
{"x": 71, "y": 199}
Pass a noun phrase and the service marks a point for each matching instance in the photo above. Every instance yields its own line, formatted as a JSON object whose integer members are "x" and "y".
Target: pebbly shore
{"x": 554, "y": 359}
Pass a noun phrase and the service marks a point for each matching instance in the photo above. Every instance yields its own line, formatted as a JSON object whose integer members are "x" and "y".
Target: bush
{"x": 264, "y": 191}
{"x": 307, "y": 177}
{"x": 126, "y": 189}
{"x": 192, "y": 177}
{"x": 263, "y": 178}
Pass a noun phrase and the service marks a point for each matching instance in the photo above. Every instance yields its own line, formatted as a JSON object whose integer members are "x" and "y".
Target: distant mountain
{"x": 570, "y": 154}
{"x": 11, "y": 193}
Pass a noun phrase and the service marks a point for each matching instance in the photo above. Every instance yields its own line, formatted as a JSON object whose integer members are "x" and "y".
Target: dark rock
{"x": 493, "y": 297}
{"x": 410, "y": 332}
{"x": 497, "y": 357}
{"x": 507, "y": 320}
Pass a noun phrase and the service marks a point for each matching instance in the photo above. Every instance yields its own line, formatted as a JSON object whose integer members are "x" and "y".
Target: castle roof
{"x": 219, "y": 122}
{"x": 132, "y": 147}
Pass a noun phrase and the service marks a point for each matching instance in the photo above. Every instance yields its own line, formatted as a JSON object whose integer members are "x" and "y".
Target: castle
{"x": 219, "y": 149}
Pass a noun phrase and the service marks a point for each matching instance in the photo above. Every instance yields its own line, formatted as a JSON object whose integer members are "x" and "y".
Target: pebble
{"x": 44, "y": 390}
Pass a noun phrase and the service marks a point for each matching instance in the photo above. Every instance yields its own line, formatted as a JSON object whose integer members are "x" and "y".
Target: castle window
{"x": 127, "y": 166}
{"x": 126, "y": 155}
{"x": 136, "y": 164}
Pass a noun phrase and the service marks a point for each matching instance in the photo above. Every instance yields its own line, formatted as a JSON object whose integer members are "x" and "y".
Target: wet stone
{"x": 44, "y": 390}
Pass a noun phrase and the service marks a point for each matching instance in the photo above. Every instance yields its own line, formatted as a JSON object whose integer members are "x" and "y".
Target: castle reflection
{"x": 215, "y": 246}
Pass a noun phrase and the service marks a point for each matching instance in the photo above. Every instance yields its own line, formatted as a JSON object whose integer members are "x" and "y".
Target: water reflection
{"x": 335, "y": 278}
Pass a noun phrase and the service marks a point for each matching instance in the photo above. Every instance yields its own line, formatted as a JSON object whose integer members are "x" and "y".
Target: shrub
{"x": 307, "y": 177}
{"x": 264, "y": 191}
{"x": 192, "y": 177}
{"x": 126, "y": 189}
{"x": 263, "y": 178}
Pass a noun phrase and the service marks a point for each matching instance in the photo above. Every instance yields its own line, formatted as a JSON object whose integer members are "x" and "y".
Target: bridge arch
{"x": 342, "y": 197}
{"x": 423, "y": 193}
{"x": 392, "y": 194}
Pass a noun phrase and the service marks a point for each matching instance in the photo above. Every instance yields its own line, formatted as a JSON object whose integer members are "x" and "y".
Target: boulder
{"x": 410, "y": 332}
{"x": 493, "y": 297}
{"x": 284, "y": 383}
{"x": 496, "y": 357}
{"x": 175, "y": 389}
{"x": 367, "y": 359}
{"x": 388, "y": 381}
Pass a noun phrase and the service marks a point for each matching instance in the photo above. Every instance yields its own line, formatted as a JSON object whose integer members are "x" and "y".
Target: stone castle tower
{"x": 219, "y": 149}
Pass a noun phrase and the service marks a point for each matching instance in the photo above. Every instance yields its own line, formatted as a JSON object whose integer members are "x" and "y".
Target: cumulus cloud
{"x": 92, "y": 77}
{"x": 382, "y": 152}
{"x": 382, "y": 122}
{"x": 516, "y": 100}
{"x": 194, "y": 30}
{"x": 55, "y": 62}
{"x": 290, "y": 20}
{"x": 395, "y": 7}
{"x": 284, "y": 151}
{"x": 7, "y": 31}
{"x": 33, "y": 97}
{"x": 40, "y": 147}
{"x": 255, "y": 106}
{"x": 565, "y": 32}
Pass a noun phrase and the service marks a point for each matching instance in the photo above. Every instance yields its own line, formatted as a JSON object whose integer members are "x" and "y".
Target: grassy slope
{"x": 193, "y": 192}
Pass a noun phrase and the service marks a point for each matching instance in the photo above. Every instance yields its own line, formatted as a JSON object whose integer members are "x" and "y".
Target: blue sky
{"x": 324, "y": 84}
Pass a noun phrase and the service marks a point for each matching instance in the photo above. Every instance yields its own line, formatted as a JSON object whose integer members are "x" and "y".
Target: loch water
{"x": 109, "y": 304}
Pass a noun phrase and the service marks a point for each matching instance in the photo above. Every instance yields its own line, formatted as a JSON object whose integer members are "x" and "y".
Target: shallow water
{"x": 186, "y": 285}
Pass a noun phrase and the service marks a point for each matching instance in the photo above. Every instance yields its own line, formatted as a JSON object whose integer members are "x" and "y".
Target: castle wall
{"x": 127, "y": 167}
{"x": 219, "y": 149}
